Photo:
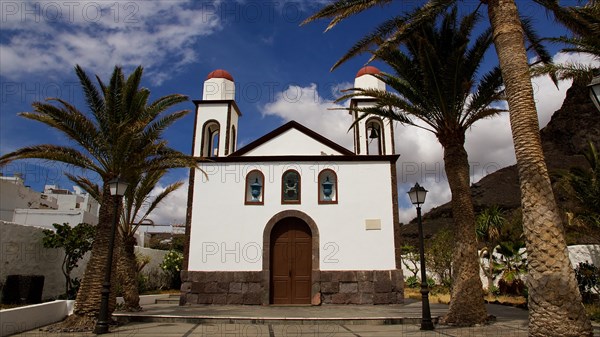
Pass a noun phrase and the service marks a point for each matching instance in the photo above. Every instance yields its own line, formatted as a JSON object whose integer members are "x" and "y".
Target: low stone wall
{"x": 328, "y": 287}
{"x": 13, "y": 321}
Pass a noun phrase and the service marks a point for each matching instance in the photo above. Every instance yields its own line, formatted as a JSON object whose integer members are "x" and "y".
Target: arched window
{"x": 210, "y": 140}
{"x": 328, "y": 187}
{"x": 255, "y": 188}
{"x": 290, "y": 187}
{"x": 232, "y": 140}
{"x": 214, "y": 144}
{"x": 375, "y": 136}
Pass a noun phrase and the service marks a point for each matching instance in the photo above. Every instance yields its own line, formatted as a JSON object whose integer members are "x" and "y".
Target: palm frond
{"x": 564, "y": 71}
{"x": 536, "y": 45}
{"x": 342, "y": 9}
{"x": 92, "y": 96}
{"x": 58, "y": 153}
{"x": 87, "y": 185}
{"x": 377, "y": 37}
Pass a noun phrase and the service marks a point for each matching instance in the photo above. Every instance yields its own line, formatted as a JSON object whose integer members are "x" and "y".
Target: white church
{"x": 291, "y": 218}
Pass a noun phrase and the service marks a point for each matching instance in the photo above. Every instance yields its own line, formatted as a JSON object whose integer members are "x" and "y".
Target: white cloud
{"x": 173, "y": 208}
{"x": 43, "y": 37}
{"x": 549, "y": 98}
{"x": 337, "y": 89}
{"x": 306, "y": 106}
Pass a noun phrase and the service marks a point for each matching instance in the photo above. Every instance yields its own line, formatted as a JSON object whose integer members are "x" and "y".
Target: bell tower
{"x": 217, "y": 117}
{"x": 372, "y": 134}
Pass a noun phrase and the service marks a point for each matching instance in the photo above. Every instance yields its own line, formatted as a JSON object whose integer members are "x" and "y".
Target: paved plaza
{"x": 165, "y": 320}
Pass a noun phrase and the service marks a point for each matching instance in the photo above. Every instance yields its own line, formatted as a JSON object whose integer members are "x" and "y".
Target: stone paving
{"x": 334, "y": 321}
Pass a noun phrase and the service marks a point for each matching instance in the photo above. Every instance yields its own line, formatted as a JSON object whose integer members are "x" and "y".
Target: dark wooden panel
{"x": 291, "y": 262}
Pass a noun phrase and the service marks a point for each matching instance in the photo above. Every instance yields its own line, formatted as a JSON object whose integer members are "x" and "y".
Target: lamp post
{"x": 595, "y": 91}
{"x": 417, "y": 197}
{"x": 117, "y": 188}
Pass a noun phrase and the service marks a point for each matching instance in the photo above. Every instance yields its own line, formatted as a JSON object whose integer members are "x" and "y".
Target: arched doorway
{"x": 290, "y": 262}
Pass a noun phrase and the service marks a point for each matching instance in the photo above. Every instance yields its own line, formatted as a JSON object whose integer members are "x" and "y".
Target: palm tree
{"x": 554, "y": 298}
{"x": 138, "y": 204}
{"x": 489, "y": 229}
{"x": 119, "y": 137}
{"x": 436, "y": 84}
{"x": 489, "y": 224}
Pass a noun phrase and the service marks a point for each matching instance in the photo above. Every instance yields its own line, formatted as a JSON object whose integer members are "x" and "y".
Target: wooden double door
{"x": 291, "y": 262}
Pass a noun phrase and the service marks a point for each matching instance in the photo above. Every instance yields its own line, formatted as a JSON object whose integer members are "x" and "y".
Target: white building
{"x": 20, "y": 204}
{"x": 15, "y": 195}
{"x": 291, "y": 218}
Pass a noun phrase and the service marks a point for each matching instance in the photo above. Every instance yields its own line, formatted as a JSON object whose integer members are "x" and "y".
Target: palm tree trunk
{"x": 127, "y": 269}
{"x": 87, "y": 303}
{"x": 467, "y": 306}
{"x": 554, "y": 299}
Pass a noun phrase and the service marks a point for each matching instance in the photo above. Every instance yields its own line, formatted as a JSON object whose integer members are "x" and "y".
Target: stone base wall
{"x": 221, "y": 287}
{"x": 362, "y": 287}
{"x": 328, "y": 287}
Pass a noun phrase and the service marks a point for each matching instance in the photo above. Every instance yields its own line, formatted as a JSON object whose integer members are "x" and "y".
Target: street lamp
{"x": 417, "y": 197}
{"x": 595, "y": 91}
{"x": 117, "y": 188}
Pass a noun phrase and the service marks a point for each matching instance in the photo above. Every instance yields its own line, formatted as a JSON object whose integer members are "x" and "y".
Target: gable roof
{"x": 285, "y": 128}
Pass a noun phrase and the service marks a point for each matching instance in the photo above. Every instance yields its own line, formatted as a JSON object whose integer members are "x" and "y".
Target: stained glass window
{"x": 290, "y": 187}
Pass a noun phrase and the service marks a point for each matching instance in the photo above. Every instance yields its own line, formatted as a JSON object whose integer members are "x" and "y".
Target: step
{"x": 167, "y": 301}
{"x": 134, "y": 317}
{"x": 171, "y": 299}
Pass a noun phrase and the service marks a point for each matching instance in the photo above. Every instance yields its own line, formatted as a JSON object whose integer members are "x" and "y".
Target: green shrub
{"x": 587, "y": 278}
{"x": 494, "y": 290}
{"x": 142, "y": 283}
{"x": 172, "y": 265}
{"x": 413, "y": 282}
{"x": 438, "y": 254}
{"x": 430, "y": 282}
{"x": 515, "y": 287}
{"x": 593, "y": 311}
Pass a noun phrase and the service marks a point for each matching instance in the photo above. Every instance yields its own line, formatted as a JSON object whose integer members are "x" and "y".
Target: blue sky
{"x": 281, "y": 72}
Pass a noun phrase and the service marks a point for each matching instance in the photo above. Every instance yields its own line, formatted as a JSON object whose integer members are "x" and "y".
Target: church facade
{"x": 291, "y": 218}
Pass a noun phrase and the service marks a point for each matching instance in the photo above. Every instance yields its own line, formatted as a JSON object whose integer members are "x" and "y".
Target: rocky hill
{"x": 571, "y": 128}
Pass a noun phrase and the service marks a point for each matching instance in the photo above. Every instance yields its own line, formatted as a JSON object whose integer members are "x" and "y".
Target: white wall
{"x": 363, "y": 139}
{"x": 577, "y": 254}
{"x": 218, "y": 89}
{"x": 282, "y": 146}
{"x": 583, "y": 253}
{"x": 45, "y": 218}
{"x": 22, "y": 253}
{"x": 227, "y": 235}
{"x": 206, "y": 112}
{"x": 22, "y": 319}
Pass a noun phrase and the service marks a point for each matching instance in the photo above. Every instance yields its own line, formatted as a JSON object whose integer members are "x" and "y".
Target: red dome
{"x": 220, "y": 73}
{"x": 367, "y": 70}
